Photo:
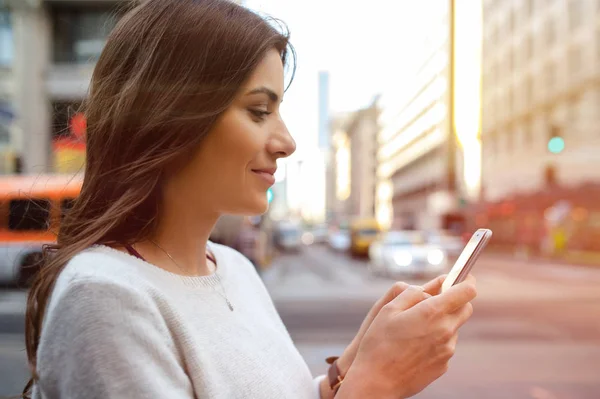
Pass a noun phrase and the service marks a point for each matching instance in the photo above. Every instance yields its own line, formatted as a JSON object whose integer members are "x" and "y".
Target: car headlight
{"x": 403, "y": 258}
{"x": 435, "y": 257}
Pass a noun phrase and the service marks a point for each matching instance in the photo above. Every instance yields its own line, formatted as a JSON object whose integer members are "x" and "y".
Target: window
{"x": 528, "y": 133}
{"x": 489, "y": 142}
{"x": 528, "y": 47}
{"x": 528, "y": 90}
{"x": 509, "y": 139}
{"x": 494, "y": 36}
{"x": 598, "y": 42}
{"x": 550, "y": 74}
{"x": 575, "y": 13}
{"x": 574, "y": 59}
{"x": 529, "y": 8}
{"x": 550, "y": 31}
{"x": 6, "y": 39}
{"x": 80, "y": 33}
{"x": 29, "y": 214}
{"x": 6, "y": 116}
{"x": 512, "y": 21}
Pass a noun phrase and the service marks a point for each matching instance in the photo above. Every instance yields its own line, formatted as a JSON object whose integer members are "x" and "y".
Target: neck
{"x": 185, "y": 239}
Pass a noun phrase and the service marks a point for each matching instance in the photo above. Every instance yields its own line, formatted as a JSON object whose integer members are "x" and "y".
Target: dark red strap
{"x": 135, "y": 253}
{"x": 211, "y": 258}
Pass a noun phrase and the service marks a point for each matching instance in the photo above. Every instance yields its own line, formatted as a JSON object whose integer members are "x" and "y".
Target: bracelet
{"x": 334, "y": 375}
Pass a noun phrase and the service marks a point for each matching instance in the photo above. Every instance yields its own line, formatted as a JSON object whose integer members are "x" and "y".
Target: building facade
{"x": 44, "y": 77}
{"x": 429, "y": 135}
{"x": 352, "y": 175}
{"x": 48, "y": 49}
{"x": 540, "y": 126}
{"x": 541, "y": 80}
{"x": 362, "y": 133}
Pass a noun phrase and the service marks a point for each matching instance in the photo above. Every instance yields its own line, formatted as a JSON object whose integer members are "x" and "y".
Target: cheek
{"x": 233, "y": 144}
{"x": 241, "y": 139}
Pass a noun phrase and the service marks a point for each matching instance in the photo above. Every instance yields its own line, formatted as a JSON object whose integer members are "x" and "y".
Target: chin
{"x": 253, "y": 208}
{"x": 260, "y": 208}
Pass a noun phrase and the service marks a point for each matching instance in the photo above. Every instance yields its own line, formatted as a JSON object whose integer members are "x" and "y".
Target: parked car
{"x": 320, "y": 234}
{"x": 452, "y": 244}
{"x": 339, "y": 240}
{"x": 400, "y": 254}
{"x": 288, "y": 237}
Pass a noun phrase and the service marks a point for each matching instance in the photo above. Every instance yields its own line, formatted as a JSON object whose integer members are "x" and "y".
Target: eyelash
{"x": 260, "y": 114}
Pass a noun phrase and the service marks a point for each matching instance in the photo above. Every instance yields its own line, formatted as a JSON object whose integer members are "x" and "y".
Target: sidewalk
{"x": 575, "y": 258}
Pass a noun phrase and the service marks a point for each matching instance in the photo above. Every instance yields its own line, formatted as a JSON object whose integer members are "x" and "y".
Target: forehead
{"x": 268, "y": 73}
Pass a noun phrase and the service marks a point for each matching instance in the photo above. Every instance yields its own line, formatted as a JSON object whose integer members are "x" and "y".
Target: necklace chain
{"x": 223, "y": 294}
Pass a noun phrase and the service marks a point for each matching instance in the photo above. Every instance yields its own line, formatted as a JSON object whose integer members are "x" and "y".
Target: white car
{"x": 339, "y": 240}
{"x": 402, "y": 254}
{"x": 289, "y": 238}
{"x": 452, "y": 244}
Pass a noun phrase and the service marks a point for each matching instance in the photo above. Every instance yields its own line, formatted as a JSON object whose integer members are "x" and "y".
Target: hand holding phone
{"x": 467, "y": 258}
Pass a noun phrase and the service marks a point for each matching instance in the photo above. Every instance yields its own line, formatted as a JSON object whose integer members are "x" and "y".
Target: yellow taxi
{"x": 363, "y": 232}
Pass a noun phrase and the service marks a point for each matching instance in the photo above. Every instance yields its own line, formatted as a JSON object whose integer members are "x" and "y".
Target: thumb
{"x": 409, "y": 298}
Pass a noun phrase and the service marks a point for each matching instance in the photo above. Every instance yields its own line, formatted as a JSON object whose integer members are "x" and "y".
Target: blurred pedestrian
{"x": 134, "y": 301}
{"x": 249, "y": 243}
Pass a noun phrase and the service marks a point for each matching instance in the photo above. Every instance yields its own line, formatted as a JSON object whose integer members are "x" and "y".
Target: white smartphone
{"x": 467, "y": 258}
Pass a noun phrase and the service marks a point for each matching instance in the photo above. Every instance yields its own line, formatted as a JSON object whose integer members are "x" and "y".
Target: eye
{"x": 260, "y": 114}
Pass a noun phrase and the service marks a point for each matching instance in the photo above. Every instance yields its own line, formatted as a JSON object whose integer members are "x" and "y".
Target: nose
{"x": 281, "y": 144}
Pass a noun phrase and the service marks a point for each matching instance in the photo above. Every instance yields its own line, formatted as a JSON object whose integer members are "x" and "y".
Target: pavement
{"x": 535, "y": 333}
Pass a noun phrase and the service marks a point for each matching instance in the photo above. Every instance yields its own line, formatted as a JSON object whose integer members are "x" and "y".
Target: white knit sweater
{"x": 118, "y": 327}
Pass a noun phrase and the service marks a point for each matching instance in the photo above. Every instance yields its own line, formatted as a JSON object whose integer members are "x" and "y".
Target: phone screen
{"x": 463, "y": 259}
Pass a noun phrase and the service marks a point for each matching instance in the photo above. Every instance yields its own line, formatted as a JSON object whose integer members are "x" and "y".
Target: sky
{"x": 366, "y": 49}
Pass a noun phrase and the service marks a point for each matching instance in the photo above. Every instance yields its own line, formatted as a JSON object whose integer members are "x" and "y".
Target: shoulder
{"x": 99, "y": 279}
{"x": 233, "y": 259}
{"x": 102, "y": 264}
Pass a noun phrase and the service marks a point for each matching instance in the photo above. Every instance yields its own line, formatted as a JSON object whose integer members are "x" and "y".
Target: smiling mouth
{"x": 265, "y": 175}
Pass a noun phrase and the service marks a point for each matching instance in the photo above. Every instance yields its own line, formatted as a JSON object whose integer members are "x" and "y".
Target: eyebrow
{"x": 264, "y": 90}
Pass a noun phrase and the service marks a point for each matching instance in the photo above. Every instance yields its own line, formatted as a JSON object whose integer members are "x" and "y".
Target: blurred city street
{"x": 535, "y": 332}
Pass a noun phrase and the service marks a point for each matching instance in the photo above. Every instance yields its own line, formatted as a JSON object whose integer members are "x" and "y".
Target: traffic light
{"x": 270, "y": 195}
{"x": 556, "y": 143}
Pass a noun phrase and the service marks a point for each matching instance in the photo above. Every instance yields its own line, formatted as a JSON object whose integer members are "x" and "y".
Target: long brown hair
{"x": 167, "y": 72}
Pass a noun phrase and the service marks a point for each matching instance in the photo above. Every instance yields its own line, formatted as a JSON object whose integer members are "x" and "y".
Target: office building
{"x": 541, "y": 96}
{"x": 429, "y": 151}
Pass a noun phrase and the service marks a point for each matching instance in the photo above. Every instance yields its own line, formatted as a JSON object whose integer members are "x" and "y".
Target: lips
{"x": 266, "y": 174}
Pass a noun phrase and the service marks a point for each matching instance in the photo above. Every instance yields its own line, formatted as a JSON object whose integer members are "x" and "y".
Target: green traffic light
{"x": 556, "y": 145}
{"x": 269, "y": 195}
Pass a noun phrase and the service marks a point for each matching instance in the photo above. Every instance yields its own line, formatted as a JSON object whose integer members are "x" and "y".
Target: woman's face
{"x": 235, "y": 164}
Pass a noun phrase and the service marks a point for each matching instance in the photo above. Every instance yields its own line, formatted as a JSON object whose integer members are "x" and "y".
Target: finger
{"x": 396, "y": 289}
{"x": 462, "y": 315}
{"x": 392, "y": 293}
{"x": 454, "y": 297}
{"x": 411, "y": 296}
{"x": 434, "y": 286}
{"x": 470, "y": 279}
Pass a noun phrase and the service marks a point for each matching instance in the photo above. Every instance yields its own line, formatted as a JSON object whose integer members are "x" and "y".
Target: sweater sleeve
{"x": 104, "y": 340}
{"x": 317, "y": 385}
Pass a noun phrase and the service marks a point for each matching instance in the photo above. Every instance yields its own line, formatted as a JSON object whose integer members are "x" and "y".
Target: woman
{"x": 134, "y": 301}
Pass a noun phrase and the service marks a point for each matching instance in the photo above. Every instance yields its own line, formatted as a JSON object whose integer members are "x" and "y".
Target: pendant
{"x": 229, "y": 305}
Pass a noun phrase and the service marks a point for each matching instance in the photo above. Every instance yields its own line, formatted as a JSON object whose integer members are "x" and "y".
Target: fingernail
{"x": 420, "y": 288}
